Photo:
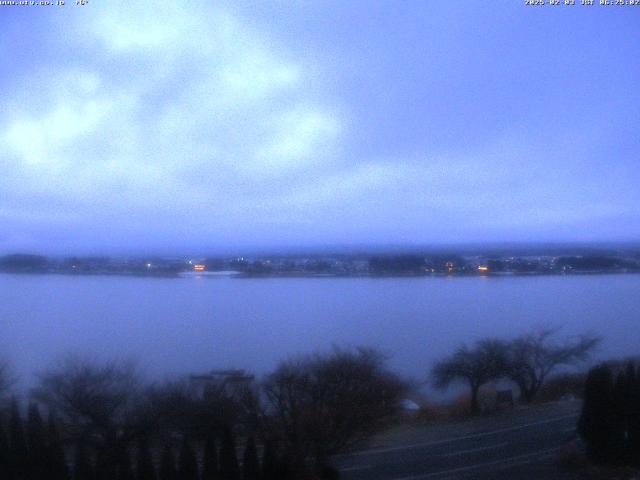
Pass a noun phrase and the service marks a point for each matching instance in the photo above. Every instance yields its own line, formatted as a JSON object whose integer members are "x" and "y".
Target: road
{"x": 493, "y": 448}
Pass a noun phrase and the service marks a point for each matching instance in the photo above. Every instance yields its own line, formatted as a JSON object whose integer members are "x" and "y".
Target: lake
{"x": 185, "y": 325}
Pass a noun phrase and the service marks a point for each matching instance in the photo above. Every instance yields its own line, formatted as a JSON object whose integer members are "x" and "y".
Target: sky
{"x": 184, "y": 126}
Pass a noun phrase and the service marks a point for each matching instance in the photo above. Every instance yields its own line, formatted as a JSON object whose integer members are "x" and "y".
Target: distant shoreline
{"x": 244, "y": 275}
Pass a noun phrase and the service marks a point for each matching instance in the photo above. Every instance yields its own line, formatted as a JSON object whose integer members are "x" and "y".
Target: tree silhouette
{"x": 323, "y": 404}
{"x": 96, "y": 398}
{"x": 210, "y": 469}
{"x": 634, "y": 414}
{"x": 18, "y": 444}
{"x": 187, "y": 462}
{"x": 58, "y": 468}
{"x": 597, "y": 424}
{"x": 228, "y": 459}
{"x": 82, "y": 465}
{"x": 610, "y": 418}
{"x": 532, "y": 357}
{"x": 124, "y": 467}
{"x": 485, "y": 362}
{"x": 250, "y": 466}
{"x": 106, "y": 462}
{"x": 144, "y": 463}
{"x": 5, "y": 457}
{"x": 37, "y": 443}
{"x": 269, "y": 462}
{"x": 168, "y": 464}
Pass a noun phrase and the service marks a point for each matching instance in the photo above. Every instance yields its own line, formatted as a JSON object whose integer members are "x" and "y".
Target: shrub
{"x": 611, "y": 415}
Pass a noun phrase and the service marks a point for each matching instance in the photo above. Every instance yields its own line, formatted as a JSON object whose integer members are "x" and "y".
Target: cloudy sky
{"x": 216, "y": 125}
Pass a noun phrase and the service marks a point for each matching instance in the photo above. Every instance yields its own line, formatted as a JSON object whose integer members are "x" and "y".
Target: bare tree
{"x": 197, "y": 405}
{"x": 485, "y": 362}
{"x": 96, "y": 401}
{"x": 324, "y": 404}
{"x": 533, "y": 356}
{"x": 89, "y": 394}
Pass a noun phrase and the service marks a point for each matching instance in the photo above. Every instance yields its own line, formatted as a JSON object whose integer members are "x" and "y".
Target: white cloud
{"x": 255, "y": 74}
{"x": 186, "y": 118}
{"x": 298, "y": 137}
{"x": 190, "y": 105}
{"x": 125, "y": 27}
{"x": 37, "y": 139}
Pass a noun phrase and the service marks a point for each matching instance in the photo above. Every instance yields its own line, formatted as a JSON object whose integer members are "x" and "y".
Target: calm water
{"x": 194, "y": 324}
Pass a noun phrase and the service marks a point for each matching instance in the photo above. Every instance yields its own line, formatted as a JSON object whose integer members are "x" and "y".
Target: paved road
{"x": 501, "y": 445}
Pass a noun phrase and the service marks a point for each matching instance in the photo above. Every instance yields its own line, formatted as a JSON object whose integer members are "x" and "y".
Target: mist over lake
{"x": 186, "y": 325}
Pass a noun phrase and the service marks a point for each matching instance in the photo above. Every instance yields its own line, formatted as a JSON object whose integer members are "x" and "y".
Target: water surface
{"x": 194, "y": 324}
